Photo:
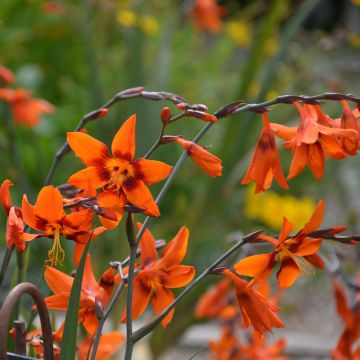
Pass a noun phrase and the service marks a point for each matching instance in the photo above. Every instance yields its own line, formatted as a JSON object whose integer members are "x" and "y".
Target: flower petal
{"x": 141, "y": 297}
{"x": 257, "y": 266}
{"x": 288, "y": 273}
{"x": 49, "y": 205}
{"x": 151, "y": 171}
{"x": 177, "y": 276}
{"x": 92, "y": 152}
{"x": 58, "y": 302}
{"x": 28, "y": 213}
{"x": 5, "y": 198}
{"x": 307, "y": 246}
{"x": 57, "y": 281}
{"x": 90, "y": 178}
{"x": 161, "y": 299}
{"x": 148, "y": 253}
{"x": 175, "y": 250}
{"x": 139, "y": 195}
{"x": 316, "y": 218}
{"x": 123, "y": 145}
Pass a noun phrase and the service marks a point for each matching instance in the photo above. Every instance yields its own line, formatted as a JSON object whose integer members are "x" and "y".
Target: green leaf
{"x": 68, "y": 343}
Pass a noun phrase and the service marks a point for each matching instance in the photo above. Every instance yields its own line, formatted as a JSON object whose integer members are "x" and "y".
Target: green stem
{"x": 156, "y": 144}
{"x": 130, "y": 231}
{"x": 140, "y": 333}
{"x": 7, "y": 256}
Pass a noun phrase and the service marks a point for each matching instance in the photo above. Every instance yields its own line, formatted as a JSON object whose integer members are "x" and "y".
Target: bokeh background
{"x": 78, "y": 54}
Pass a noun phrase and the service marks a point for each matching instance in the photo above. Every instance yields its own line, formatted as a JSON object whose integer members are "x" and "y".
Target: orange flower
{"x": 351, "y": 333}
{"x": 255, "y": 309}
{"x": 349, "y": 121}
{"x": 25, "y": 109}
{"x": 206, "y": 15}
{"x": 109, "y": 344}
{"x": 157, "y": 276}
{"x": 314, "y": 139}
{"x": 258, "y": 349}
{"x": 49, "y": 217}
{"x": 120, "y": 177}
{"x": 6, "y": 75}
{"x": 295, "y": 253}
{"x": 215, "y": 302}
{"x": 93, "y": 294}
{"x": 210, "y": 163}
{"x": 265, "y": 164}
{"x": 15, "y": 234}
{"x": 228, "y": 347}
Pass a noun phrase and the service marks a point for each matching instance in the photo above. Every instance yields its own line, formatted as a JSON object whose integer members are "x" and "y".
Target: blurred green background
{"x": 78, "y": 54}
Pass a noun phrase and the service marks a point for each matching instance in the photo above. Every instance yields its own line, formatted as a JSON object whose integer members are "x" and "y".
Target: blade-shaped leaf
{"x": 68, "y": 343}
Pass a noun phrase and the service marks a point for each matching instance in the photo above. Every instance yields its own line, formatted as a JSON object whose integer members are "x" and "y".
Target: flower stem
{"x": 140, "y": 333}
{"x": 130, "y": 231}
{"x": 5, "y": 263}
{"x": 107, "y": 313}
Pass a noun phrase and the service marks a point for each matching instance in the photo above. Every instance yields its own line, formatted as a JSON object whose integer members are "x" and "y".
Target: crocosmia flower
{"x": 157, "y": 276}
{"x": 120, "y": 177}
{"x": 49, "y": 217}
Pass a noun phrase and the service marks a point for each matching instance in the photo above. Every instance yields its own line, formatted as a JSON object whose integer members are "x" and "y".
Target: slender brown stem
{"x": 7, "y": 256}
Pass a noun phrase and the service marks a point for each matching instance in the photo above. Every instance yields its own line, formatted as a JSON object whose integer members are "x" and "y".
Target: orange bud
{"x": 210, "y": 163}
{"x": 165, "y": 115}
{"x": 201, "y": 115}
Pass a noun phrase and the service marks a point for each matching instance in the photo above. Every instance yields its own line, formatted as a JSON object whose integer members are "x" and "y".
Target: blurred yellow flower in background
{"x": 149, "y": 25}
{"x": 269, "y": 208}
{"x": 126, "y": 18}
{"x": 240, "y": 31}
{"x": 356, "y": 2}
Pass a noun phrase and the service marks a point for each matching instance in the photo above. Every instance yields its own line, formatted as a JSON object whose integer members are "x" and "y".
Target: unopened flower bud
{"x": 165, "y": 115}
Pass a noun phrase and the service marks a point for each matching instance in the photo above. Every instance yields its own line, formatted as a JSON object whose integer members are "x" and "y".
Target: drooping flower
{"x": 295, "y": 253}
{"x": 93, "y": 294}
{"x": 49, "y": 217}
{"x": 210, "y": 163}
{"x": 109, "y": 344}
{"x": 265, "y": 164}
{"x": 346, "y": 346}
{"x": 313, "y": 140}
{"x": 15, "y": 234}
{"x": 206, "y": 15}
{"x": 25, "y": 109}
{"x": 255, "y": 309}
{"x": 215, "y": 302}
{"x": 121, "y": 177}
{"x": 157, "y": 276}
{"x": 349, "y": 121}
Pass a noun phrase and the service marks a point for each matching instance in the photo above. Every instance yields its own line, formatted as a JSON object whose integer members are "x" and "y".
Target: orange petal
{"x": 283, "y": 132}
{"x": 92, "y": 152}
{"x": 90, "y": 178}
{"x": 161, "y": 299}
{"x": 307, "y": 246}
{"x": 57, "y": 281}
{"x": 316, "y": 218}
{"x": 178, "y": 276}
{"x": 148, "y": 253}
{"x": 257, "y": 266}
{"x": 150, "y": 171}
{"x": 286, "y": 228}
{"x": 299, "y": 160}
{"x": 175, "y": 250}
{"x": 288, "y": 273}
{"x": 141, "y": 297}
{"x": 79, "y": 221}
{"x": 90, "y": 322}
{"x": 316, "y": 260}
{"x": 123, "y": 145}
{"x": 58, "y": 302}
{"x": 89, "y": 283}
{"x": 28, "y": 213}
{"x": 5, "y": 198}
{"x": 139, "y": 195}
{"x": 342, "y": 306}
{"x": 316, "y": 160}
{"x": 49, "y": 205}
